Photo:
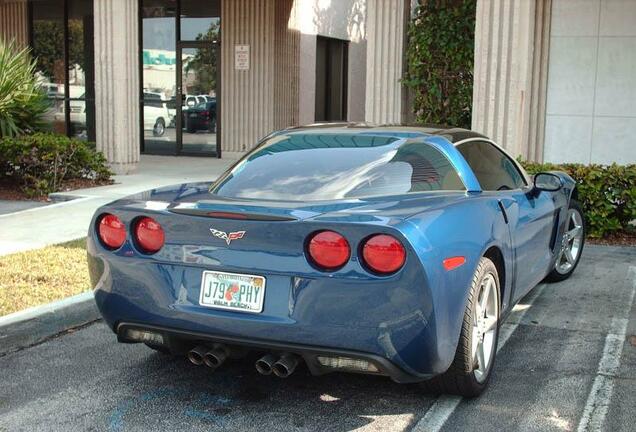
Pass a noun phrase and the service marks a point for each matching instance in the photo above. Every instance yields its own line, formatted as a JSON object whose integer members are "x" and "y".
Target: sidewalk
{"x": 65, "y": 221}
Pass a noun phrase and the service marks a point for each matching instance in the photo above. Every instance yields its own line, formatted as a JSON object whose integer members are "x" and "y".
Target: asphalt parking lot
{"x": 567, "y": 361}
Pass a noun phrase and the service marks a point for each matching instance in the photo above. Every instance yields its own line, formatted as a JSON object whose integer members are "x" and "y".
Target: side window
{"x": 494, "y": 169}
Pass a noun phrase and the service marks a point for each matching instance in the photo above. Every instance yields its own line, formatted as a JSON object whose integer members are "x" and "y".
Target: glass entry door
{"x": 198, "y": 89}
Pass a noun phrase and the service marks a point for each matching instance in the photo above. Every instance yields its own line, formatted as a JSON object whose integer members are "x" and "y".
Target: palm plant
{"x": 22, "y": 102}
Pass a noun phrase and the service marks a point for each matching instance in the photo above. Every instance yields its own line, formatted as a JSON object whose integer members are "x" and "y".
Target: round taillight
{"x": 328, "y": 250}
{"x": 383, "y": 254}
{"x": 149, "y": 235}
{"x": 111, "y": 231}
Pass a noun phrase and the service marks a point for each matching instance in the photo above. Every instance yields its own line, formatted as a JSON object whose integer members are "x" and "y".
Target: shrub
{"x": 440, "y": 51}
{"x": 39, "y": 163}
{"x": 606, "y": 192}
{"x": 22, "y": 102}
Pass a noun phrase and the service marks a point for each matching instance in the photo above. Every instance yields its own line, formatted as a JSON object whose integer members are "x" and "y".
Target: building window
{"x": 61, "y": 36}
{"x": 158, "y": 59}
{"x": 179, "y": 74}
{"x": 331, "y": 79}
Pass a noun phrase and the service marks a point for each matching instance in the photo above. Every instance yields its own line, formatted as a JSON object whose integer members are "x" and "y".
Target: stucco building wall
{"x": 591, "y": 99}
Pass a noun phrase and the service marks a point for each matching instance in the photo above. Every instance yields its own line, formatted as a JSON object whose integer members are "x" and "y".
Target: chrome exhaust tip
{"x": 196, "y": 354}
{"x": 215, "y": 357}
{"x": 265, "y": 363}
{"x": 285, "y": 366}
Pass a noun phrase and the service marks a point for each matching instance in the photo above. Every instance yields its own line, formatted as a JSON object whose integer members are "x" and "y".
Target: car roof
{"x": 452, "y": 134}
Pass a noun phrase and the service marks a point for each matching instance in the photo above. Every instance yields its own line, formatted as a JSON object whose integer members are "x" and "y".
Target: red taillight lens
{"x": 383, "y": 253}
{"x": 149, "y": 235}
{"x": 329, "y": 250}
{"x": 112, "y": 231}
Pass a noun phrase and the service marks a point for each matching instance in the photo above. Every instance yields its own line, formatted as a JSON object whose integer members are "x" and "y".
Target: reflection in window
{"x": 493, "y": 169}
{"x": 200, "y": 20}
{"x": 313, "y": 167}
{"x": 48, "y": 49}
{"x": 160, "y": 56}
{"x": 80, "y": 70}
{"x": 48, "y": 44}
{"x": 159, "y": 63}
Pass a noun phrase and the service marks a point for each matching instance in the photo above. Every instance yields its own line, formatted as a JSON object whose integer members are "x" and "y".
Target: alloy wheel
{"x": 571, "y": 242}
{"x": 485, "y": 318}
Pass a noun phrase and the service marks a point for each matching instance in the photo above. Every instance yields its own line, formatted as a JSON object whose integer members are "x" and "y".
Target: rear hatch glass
{"x": 313, "y": 167}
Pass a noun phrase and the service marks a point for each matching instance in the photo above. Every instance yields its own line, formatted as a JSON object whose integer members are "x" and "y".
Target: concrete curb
{"x": 28, "y": 327}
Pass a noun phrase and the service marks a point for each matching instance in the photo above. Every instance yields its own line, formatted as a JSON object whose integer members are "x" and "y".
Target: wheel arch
{"x": 495, "y": 254}
{"x": 575, "y": 194}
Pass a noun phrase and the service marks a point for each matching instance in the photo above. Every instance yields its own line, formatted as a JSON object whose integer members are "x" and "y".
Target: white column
{"x": 385, "y": 51}
{"x": 117, "y": 83}
{"x": 511, "y": 49}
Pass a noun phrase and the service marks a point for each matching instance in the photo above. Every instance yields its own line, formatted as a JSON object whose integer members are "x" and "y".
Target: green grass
{"x": 43, "y": 275}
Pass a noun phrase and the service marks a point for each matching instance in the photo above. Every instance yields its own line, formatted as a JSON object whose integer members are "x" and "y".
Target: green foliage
{"x": 606, "y": 192}
{"x": 48, "y": 47}
{"x": 22, "y": 103}
{"x": 39, "y": 163}
{"x": 204, "y": 63}
{"x": 440, "y": 53}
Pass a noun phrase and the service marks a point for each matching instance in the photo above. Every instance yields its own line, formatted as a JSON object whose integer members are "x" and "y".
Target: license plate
{"x": 194, "y": 115}
{"x": 232, "y": 291}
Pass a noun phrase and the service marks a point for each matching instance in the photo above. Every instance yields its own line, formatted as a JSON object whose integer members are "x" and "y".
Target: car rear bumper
{"x": 309, "y": 353}
{"x": 390, "y": 319}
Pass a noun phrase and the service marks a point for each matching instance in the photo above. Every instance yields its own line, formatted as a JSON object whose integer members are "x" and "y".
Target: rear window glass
{"x": 312, "y": 167}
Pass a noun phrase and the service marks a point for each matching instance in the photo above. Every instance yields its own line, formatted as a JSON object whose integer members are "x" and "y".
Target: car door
{"x": 531, "y": 216}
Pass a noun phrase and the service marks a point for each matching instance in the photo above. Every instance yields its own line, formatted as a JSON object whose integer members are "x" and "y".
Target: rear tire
{"x": 469, "y": 373}
{"x": 159, "y": 128}
{"x": 571, "y": 247}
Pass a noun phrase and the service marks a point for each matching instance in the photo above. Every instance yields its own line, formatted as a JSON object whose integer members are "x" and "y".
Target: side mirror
{"x": 546, "y": 181}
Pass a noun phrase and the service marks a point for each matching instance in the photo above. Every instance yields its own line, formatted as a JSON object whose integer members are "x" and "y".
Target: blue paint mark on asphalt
{"x": 116, "y": 419}
{"x": 208, "y": 399}
{"x": 203, "y": 415}
{"x": 198, "y": 409}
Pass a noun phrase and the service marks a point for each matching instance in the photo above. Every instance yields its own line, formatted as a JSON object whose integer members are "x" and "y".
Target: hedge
{"x": 439, "y": 55}
{"x": 606, "y": 192}
{"x": 39, "y": 164}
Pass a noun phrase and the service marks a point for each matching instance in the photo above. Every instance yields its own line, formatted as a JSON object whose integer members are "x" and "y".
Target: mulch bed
{"x": 12, "y": 192}
{"x": 622, "y": 238}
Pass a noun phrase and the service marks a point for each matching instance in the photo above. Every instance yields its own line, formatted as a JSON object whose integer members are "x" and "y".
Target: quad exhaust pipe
{"x": 265, "y": 364}
{"x": 195, "y": 355}
{"x": 282, "y": 367}
{"x": 211, "y": 357}
{"x": 216, "y": 356}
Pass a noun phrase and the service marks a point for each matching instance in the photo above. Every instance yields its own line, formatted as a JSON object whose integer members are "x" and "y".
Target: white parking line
{"x": 443, "y": 407}
{"x": 598, "y": 400}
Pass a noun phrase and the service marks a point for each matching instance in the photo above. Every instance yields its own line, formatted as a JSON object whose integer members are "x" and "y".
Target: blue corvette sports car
{"x": 391, "y": 250}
